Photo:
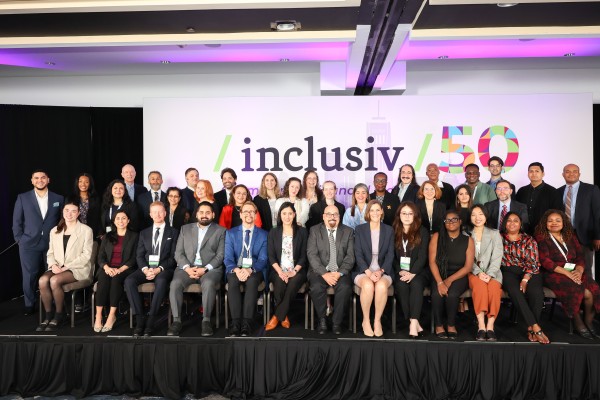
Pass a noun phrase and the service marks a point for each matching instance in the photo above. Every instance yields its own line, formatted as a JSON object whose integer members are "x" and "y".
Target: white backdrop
{"x": 347, "y": 138}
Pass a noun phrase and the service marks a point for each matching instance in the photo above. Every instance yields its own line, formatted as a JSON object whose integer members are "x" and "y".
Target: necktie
{"x": 332, "y": 265}
{"x": 247, "y": 243}
{"x": 568, "y": 201}
{"x": 502, "y": 215}
{"x": 156, "y": 196}
{"x": 155, "y": 245}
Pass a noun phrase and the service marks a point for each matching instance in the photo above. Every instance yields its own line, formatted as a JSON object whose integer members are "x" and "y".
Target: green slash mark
{"x": 423, "y": 151}
{"x": 222, "y": 153}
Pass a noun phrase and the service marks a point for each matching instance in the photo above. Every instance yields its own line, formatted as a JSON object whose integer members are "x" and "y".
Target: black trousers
{"x": 110, "y": 289}
{"x": 161, "y": 282}
{"x": 410, "y": 295}
{"x": 283, "y": 293}
{"x": 341, "y": 297}
{"x": 245, "y": 310}
{"x": 449, "y": 302}
{"x": 531, "y": 302}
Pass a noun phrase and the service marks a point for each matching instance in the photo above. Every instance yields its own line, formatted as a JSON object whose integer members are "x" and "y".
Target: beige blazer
{"x": 78, "y": 256}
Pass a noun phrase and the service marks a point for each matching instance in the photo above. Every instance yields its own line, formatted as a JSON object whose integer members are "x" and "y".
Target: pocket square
{"x": 56, "y": 204}
{"x": 169, "y": 238}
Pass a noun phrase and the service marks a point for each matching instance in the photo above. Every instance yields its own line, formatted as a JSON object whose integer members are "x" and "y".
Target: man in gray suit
{"x": 330, "y": 253}
{"x": 199, "y": 255}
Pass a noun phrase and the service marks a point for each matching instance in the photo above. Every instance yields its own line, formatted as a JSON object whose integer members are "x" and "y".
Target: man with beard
{"x": 497, "y": 209}
{"x": 144, "y": 200}
{"x": 187, "y": 193}
{"x": 229, "y": 179}
{"x": 388, "y": 201}
{"x": 199, "y": 255}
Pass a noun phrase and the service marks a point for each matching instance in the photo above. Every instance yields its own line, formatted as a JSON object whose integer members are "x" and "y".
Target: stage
{"x": 295, "y": 363}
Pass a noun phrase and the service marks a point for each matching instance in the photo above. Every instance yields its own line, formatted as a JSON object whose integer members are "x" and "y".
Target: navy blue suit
{"x": 31, "y": 232}
{"x": 143, "y": 201}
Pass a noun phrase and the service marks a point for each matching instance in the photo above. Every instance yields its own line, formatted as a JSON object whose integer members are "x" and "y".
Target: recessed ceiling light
{"x": 165, "y": 62}
{"x": 506, "y": 5}
{"x": 190, "y": 30}
{"x": 286, "y": 26}
{"x": 50, "y": 63}
{"x": 443, "y": 57}
{"x": 284, "y": 59}
{"x": 569, "y": 54}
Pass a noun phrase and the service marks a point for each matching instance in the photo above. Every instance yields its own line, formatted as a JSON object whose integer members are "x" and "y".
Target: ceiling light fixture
{"x": 506, "y": 5}
{"x": 50, "y": 63}
{"x": 569, "y": 54}
{"x": 286, "y": 26}
{"x": 190, "y": 30}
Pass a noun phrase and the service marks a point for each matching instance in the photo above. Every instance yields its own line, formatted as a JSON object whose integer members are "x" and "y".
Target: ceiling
{"x": 363, "y": 45}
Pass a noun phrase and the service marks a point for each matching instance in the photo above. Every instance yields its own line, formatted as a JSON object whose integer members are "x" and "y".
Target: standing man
{"x": 497, "y": 209}
{"x": 388, "y": 201}
{"x": 538, "y": 196}
{"x": 35, "y": 213}
{"x": 133, "y": 189}
{"x": 199, "y": 254}
{"x": 156, "y": 262}
{"x": 330, "y": 252}
{"x": 315, "y": 215}
{"x": 448, "y": 195}
{"x": 495, "y": 166}
{"x": 246, "y": 260}
{"x": 144, "y": 200}
{"x": 229, "y": 179}
{"x": 482, "y": 192}
{"x": 582, "y": 205}
{"x": 191, "y": 179}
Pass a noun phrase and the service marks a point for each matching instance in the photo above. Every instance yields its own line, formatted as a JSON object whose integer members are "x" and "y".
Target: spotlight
{"x": 286, "y": 26}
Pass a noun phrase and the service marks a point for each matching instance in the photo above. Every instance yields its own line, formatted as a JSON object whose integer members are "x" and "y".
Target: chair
{"x": 427, "y": 292}
{"x": 196, "y": 288}
{"x": 549, "y": 294}
{"x": 147, "y": 287}
{"x": 303, "y": 290}
{"x": 261, "y": 287}
{"x": 357, "y": 291}
{"x": 93, "y": 305}
{"x": 330, "y": 292}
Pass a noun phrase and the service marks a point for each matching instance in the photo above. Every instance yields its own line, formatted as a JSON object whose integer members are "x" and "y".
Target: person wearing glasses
{"x": 430, "y": 207}
{"x": 497, "y": 209}
{"x": 388, "y": 201}
{"x": 451, "y": 255}
{"x": 495, "y": 166}
{"x": 177, "y": 214}
{"x": 230, "y": 214}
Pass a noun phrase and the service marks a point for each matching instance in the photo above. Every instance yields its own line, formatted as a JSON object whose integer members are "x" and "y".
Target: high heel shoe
{"x": 107, "y": 327}
{"x": 367, "y": 331}
{"x": 97, "y": 328}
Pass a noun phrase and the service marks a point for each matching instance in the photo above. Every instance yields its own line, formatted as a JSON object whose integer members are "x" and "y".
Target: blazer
{"x": 167, "y": 248}
{"x": 264, "y": 209}
{"x": 317, "y": 249}
{"x": 493, "y": 209}
{"x": 315, "y": 213}
{"x": 78, "y": 256}
{"x": 437, "y": 217}
{"x": 188, "y": 199}
{"x": 409, "y": 195}
{"x": 448, "y": 196}
{"x": 93, "y": 215}
{"x": 418, "y": 255}
{"x": 258, "y": 248}
{"x": 483, "y": 193}
{"x": 137, "y": 190}
{"x": 390, "y": 205}
{"x": 226, "y": 218}
{"x": 299, "y": 242}
{"x": 134, "y": 217}
{"x": 212, "y": 248}
{"x": 143, "y": 201}
{"x": 129, "y": 251}
{"x": 221, "y": 199}
{"x": 587, "y": 212}
{"x": 181, "y": 217}
{"x": 363, "y": 249}
{"x": 29, "y": 228}
{"x": 490, "y": 254}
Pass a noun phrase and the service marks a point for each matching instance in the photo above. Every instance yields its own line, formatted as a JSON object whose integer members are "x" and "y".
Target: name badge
{"x": 108, "y": 229}
{"x": 405, "y": 263}
{"x": 153, "y": 260}
{"x": 569, "y": 266}
{"x": 198, "y": 262}
{"x": 247, "y": 262}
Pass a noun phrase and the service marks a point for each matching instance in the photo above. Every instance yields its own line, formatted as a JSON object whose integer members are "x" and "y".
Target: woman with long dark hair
{"x": 292, "y": 192}
{"x": 407, "y": 187}
{"x": 230, "y": 214}
{"x": 84, "y": 193}
{"x": 355, "y": 214}
{"x": 312, "y": 189}
{"x": 266, "y": 200}
{"x": 177, "y": 214}
{"x": 116, "y": 198}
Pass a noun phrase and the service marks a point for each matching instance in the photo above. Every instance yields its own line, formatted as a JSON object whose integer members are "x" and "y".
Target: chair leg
{"x": 93, "y": 307}
{"x": 73, "y": 308}
{"x": 394, "y": 315}
{"x": 218, "y": 306}
{"x": 226, "y": 312}
{"x": 552, "y": 309}
{"x": 41, "y": 308}
{"x": 306, "y": 300}
{"x": 354, "y": 312}
{"x": 169, "y": 317}
{"x": 268, "y": 308}
{"x": 312, "y": 315}
{"x": 130, "y": 317}
{"x": 265, "y": 308}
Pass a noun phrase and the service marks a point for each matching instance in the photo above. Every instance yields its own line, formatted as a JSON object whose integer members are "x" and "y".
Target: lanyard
{"x": 404, "y": 243}
{"x": 560, "y": 248}
{"x": 110, "y": 211}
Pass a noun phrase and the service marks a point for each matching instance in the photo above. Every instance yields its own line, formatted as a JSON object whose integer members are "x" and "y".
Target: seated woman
{"x": 411, "y": 245}
{"x": 464, "y": 202}
{"x": 84, "y": 192}
{"x": 485, "y": 280}
{"x": 564, "y": 271}
{"x": 430, "y": 207}
{"x": 355, "y": 214}
{"x": 177, "y": 214}
{"x": 406, "y": 189}
{"x": 117, "y": 259}
{"x": 203, "y": 192}
{"x": 374, "y": 253}
{"x": 266, "y": 199}
{"x": 292, "y": 192}
{"x": 287, "y": 255}
{"x": 116, "y": 198}
{"x": 69, "y": 260}
{"x": 451, "y": 255}
{"x": 230, "y": 215}
{"x": 521, "y": 274}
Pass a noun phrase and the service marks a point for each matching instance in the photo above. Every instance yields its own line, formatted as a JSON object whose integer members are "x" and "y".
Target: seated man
{"x": 156, "y": 262}
{"x": 246, "y": 261}
{"x": 330, "y": 253}
{"x": 199, "y": 255}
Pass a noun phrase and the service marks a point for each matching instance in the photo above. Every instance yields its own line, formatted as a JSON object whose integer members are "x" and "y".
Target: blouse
{"x": 521, "y": 253}
{"x": 116, "y": 260}
{"x": 287, "y": 253}
{"x": 357, "y": 219}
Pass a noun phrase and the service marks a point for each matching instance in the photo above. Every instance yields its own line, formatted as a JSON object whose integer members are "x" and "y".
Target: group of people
{"x": 480, "y": 236}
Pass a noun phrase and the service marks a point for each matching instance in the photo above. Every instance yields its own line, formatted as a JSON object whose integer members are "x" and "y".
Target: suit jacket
{"x": 409, "y": 195}
{"x": 437, "y": 217}
{"x": 137, "y": 190}
{"x": 181, "y": 216}
{"x": 484, "y": 193}
{"x": 78, "y": 256}
{"x": 212, "y": 248}
{"x": 390, "y": 205}
{"x": 363, "y": 249}
{"x": 221, "y": 199}
{"x": 418, "y": 255}
{"x": 128, "y": 253}
{"x": 448, "y": 196}
{"x": 490, "y": 254}
{"x": 317, "y": 249}
{"x": 187, "y": 198}
{"x": 264, "y": 209}
{"x": 299, "y": 242}
{"x": 258, "y": 247}
{"x": 315, "y": 213}
{"x": 167, "y": 248}
{"x": 493, "y": 209}
{"x": 134, "y": 217}
{"x": 29, "y": 228}
{"x": 226, "y": 217}
{"x": 143, "y": 202}
{"x": 587, "y": 212}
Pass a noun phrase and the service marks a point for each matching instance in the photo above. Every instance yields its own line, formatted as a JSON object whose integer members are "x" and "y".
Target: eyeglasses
{"x": 251, "y": 212}
{"x": 332, "y": 215}
{"x": 451, "y": 220}
{"x": 502, "y": 189}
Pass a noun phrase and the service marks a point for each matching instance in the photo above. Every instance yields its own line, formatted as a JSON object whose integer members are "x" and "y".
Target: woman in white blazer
{"x": 69, "y": 260}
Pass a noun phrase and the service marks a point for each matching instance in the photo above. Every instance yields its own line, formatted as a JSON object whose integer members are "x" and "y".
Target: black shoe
{"x": 584, "y": 333}
{"x": 140, "y": 322}
{"x": 337, "y": 329}
{"x": 480, "y": 337}
{"x": 234, "y": 330}
{"x": 53, "y": 325}
{"x": 78, "y": 308}
{"x": 594, "y": 333}
{"x": 206, "y": 329}
{"x": 452, "y": 335}
{"x": 246, "y": 328}
{"x": 322, "y": 326}
{"x": 149, "y": 327}
{"x": 42, "y": 327}
{"x": 174, "y": 329}
{"x": 28, "y": 310}
{"x": 491, "y": 336}
{"x": 441, "y": 335}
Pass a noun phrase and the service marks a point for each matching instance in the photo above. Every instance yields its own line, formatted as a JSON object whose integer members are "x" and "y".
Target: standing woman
{"x": 374, "y": 253}
{"x": 355, "y": 214}
{"x": 117, "y": 259}
{"x": 287, "y": 255}
{"x": 432, "y": 210}
{"x": 266, "y": 198}
{"x": 69, "y": 260}
{"x": 464, "y": 202}
{"x": 485, "y": 280}
{"x": 521, "y": 274}
{"x": 411, "y": 244}
{"x": 451, "y": 255}
{"x": 407, "y": 187}
{"x": 230, "y": 214}
{"x": 312, "y": 188}
{"x": 292, "y": 192}
{"x": 84, "y": 193}
{"x": 203, "y": 192}
{"x": 177, "y": 214}
{"x": 116, "y": 198}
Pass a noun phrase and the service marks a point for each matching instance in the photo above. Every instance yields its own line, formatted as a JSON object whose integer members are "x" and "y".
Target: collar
{"x": 161, "y": 226}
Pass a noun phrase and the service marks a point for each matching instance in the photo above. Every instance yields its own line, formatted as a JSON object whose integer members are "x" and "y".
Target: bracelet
{"x": 440, "y": 283}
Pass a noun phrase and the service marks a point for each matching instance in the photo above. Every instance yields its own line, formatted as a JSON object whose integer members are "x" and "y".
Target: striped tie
{"x": 502, "y": 215}
{"x": 332, "y": 265}
{"x": 568, "y": 201}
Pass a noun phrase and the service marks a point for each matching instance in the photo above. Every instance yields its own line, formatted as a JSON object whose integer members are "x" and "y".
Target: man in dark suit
{"x": 199, "y": 254}
{"x": 156, "y": 262}
{"x": 497, "y": 209}
{"x": 330, "y": 252}
{"x": 582, "y": 205}
{"x": 187, "y": 194}
{"x": 144, "y": 200}
{"x": 133, "y": 189}
{"x": 246, "y": 263}
{"x": 229, "y": 179}
{"x": 448, "y": 195}
{"x": 35, "y": 213}
{"x": 388, "y": 201}
{"x": 315, "y": 215}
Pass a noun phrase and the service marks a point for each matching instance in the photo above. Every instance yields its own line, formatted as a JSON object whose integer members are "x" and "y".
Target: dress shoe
{"x": 337, "y": 329}
{"x": 174, "y": 329}
{"x": 491, "y": 336}
{"x": 286, "y": 323}
{"x": 246, "y": 329}
{"x": 272, "y": 324}
{"x": 480, "y": 337}
{"x": 140, "y": 322}
{"x": 98, "y": 328}
{"x": 28, "y": 310}
{"x": 594, "y": 333}
{"x": 207, "y": 330}
{"x": 149, "y": 327}
{"x": 322, "y": 326}
{"x": 53, "y": 325}
{"x": 42, "y": 327}
{"x": 235, "y": 328}
{"x": 452, "y": 335}
{"x": 441, "y": 335}
{"x": 584, "y": 333}
{"x": 108, "y": 326}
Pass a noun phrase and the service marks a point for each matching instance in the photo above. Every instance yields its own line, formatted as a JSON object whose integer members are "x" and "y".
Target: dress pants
{"x": 245, "y": 310}
{"x": 284, "y": 293}
{"x": 161, "y": 282}
{"x": 449, "y": 302}
{"x": 33, "y": 263}
{"x": 209, "y": 283}
{"x": 531, "y": 302}
{"x": 486, "y": 296}
{"x": 318, "y": 294}
{"x": 410, "y": 295}
{"x": 110, "y": 289}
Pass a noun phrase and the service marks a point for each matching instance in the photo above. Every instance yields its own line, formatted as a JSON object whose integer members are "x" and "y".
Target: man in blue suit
{"x": 36, "y": 212}
{"x": 246, "y": 260}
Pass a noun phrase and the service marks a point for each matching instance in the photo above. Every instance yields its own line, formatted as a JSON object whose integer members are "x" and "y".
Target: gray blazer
{"x": 490, "y": 254}
{"x": 212, "y": 248}
{"x": 318, "y": 249}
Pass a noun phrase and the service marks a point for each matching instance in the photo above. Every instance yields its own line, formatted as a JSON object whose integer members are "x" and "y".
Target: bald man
{"x": 448, "y": 195}
{"x": 128, "y": 174}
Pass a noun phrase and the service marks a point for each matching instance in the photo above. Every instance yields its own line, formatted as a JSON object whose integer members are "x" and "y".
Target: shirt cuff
{"x": 144, "y": 268}
{"x": 185, "y": 266}
{"x": 209, "y": 267}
